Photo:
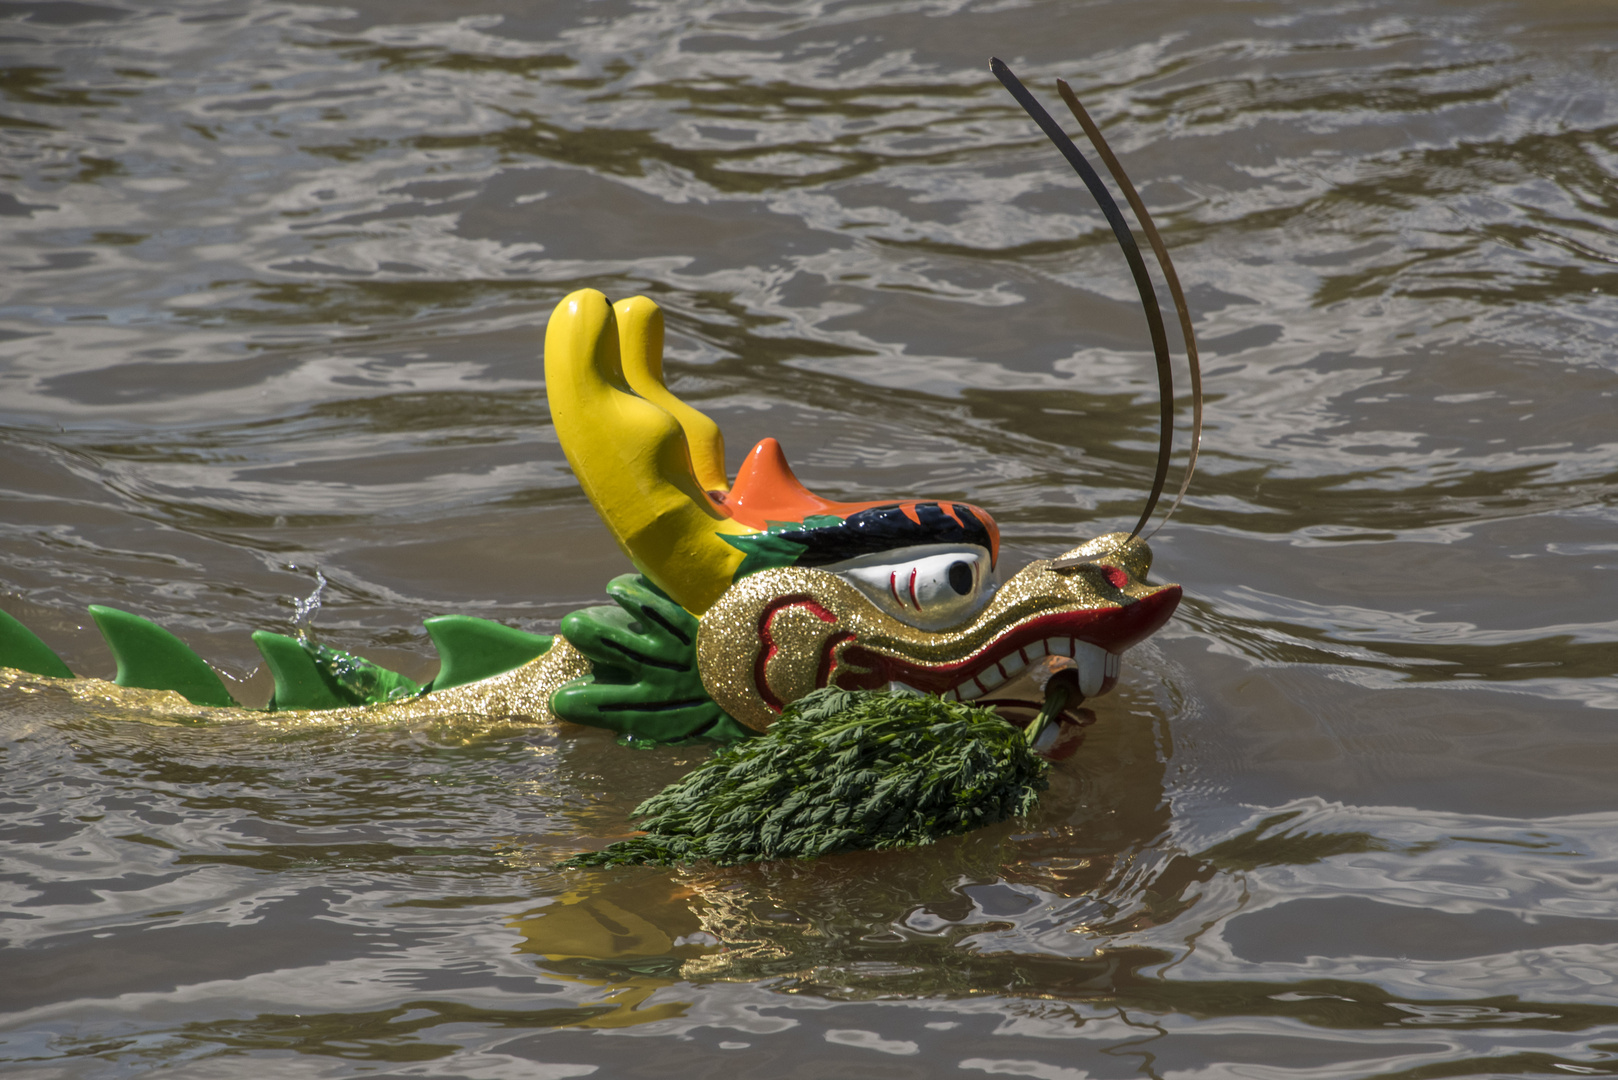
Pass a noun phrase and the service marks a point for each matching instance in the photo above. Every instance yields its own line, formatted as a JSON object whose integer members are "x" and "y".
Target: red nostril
{"x": 1116, "y": 577}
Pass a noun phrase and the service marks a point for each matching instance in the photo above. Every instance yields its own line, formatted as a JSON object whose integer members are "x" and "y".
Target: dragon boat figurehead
{"x": 749, "y": 594}
{"x": 792, "y": 591}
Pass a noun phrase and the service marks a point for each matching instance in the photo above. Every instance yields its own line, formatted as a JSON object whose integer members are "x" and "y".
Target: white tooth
{"x": 951, "y": 695}
{"x": 991, "y": 677}
{"x": 1034, "y": 651}
{"x": 969, "y": 691}
{"x": 1012, "y": 664}
{"x": 1114, "y": 665}
{"x": 1066, "y": 646}
{"x": 1092, "y": 665}
{"x": 897, "y": 687}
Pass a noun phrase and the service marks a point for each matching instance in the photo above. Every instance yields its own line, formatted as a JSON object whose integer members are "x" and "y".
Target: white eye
{"x": 931, "y": 586}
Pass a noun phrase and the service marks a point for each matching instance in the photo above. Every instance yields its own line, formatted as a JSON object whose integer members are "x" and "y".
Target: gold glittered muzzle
{"x": 779, "y": 634}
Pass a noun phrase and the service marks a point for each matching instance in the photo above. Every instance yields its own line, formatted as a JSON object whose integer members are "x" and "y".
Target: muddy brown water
{"x": 277, "y": 277}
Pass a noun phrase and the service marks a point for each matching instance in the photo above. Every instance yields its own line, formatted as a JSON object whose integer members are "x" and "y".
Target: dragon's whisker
{"x": 1165, "y": 264}
{"x": 1137, "y": 268}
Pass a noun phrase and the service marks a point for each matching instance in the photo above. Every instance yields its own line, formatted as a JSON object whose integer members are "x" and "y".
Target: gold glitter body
{"x": 521, "y": 695}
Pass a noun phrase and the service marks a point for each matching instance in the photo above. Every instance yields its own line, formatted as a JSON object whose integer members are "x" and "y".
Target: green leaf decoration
{"x": 762, "y": 551}
{"x": 356, "y": 680}
{"x": 813, "y": 521}
{"x": 643, "y": 681}
{"x": 150, "y": 657}
{"x": 21, "y": 650}
{"x": 767, "y": 550}
{"x": 839, "y": 771}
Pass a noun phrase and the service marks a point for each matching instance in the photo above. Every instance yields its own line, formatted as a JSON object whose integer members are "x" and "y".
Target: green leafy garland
{"x": 840, "y": 771}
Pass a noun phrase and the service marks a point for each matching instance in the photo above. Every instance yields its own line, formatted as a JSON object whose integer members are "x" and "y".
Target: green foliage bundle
{"x": 839, "y": 771}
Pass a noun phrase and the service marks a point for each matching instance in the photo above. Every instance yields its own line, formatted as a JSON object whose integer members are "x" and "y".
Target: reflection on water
{"x": 277, "y": 281}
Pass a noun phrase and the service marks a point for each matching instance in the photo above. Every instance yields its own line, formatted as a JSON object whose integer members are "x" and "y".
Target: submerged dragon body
{"x": 749, "y": 593}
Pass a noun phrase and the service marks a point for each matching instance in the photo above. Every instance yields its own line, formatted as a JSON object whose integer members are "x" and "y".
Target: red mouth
{"x": 1081, "y": 649}
{"x": 1093, "y": 638}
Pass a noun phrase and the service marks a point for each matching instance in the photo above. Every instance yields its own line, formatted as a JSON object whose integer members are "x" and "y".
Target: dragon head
{"x": 791, "y": 591}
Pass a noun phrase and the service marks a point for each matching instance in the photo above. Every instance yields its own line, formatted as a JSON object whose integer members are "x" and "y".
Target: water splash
{"x": 303, "y": 615}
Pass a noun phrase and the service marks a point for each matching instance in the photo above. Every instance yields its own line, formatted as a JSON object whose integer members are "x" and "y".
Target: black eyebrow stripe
{"x": 884, "y": 528}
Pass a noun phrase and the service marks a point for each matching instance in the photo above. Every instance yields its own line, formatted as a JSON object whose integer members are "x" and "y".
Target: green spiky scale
{"x": 20, "y": 649}
{"x": 298, "y": 682}
{"x": 359, "y": 681}
{"x": 470, "y": 649}
{"x": 151, "y": 658}
{"x": 643, "y": 680}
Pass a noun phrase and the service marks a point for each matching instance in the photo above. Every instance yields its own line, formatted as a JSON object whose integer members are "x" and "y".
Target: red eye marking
{"x": 913, "y": 599}
{"x": 893, "y": 586}
{"x": 770, "y": 649}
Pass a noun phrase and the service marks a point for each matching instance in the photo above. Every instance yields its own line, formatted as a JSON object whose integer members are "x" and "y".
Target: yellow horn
{"x": 631, "y": 456}
{"x": 640, "y": 344}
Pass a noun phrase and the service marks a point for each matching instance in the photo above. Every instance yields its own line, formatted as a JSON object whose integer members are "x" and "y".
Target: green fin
{"x": 152, "y": 658}
{"x": 471, "y": 649}
{"x": 357, "y": 680}
{"x": 20, "y": 649}
{"x": 643, "y": 680}
{"x": 298, "y": 681}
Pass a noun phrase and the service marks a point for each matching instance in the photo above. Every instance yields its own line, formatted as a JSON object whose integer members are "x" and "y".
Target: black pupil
{"x": 960, "y": 577}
